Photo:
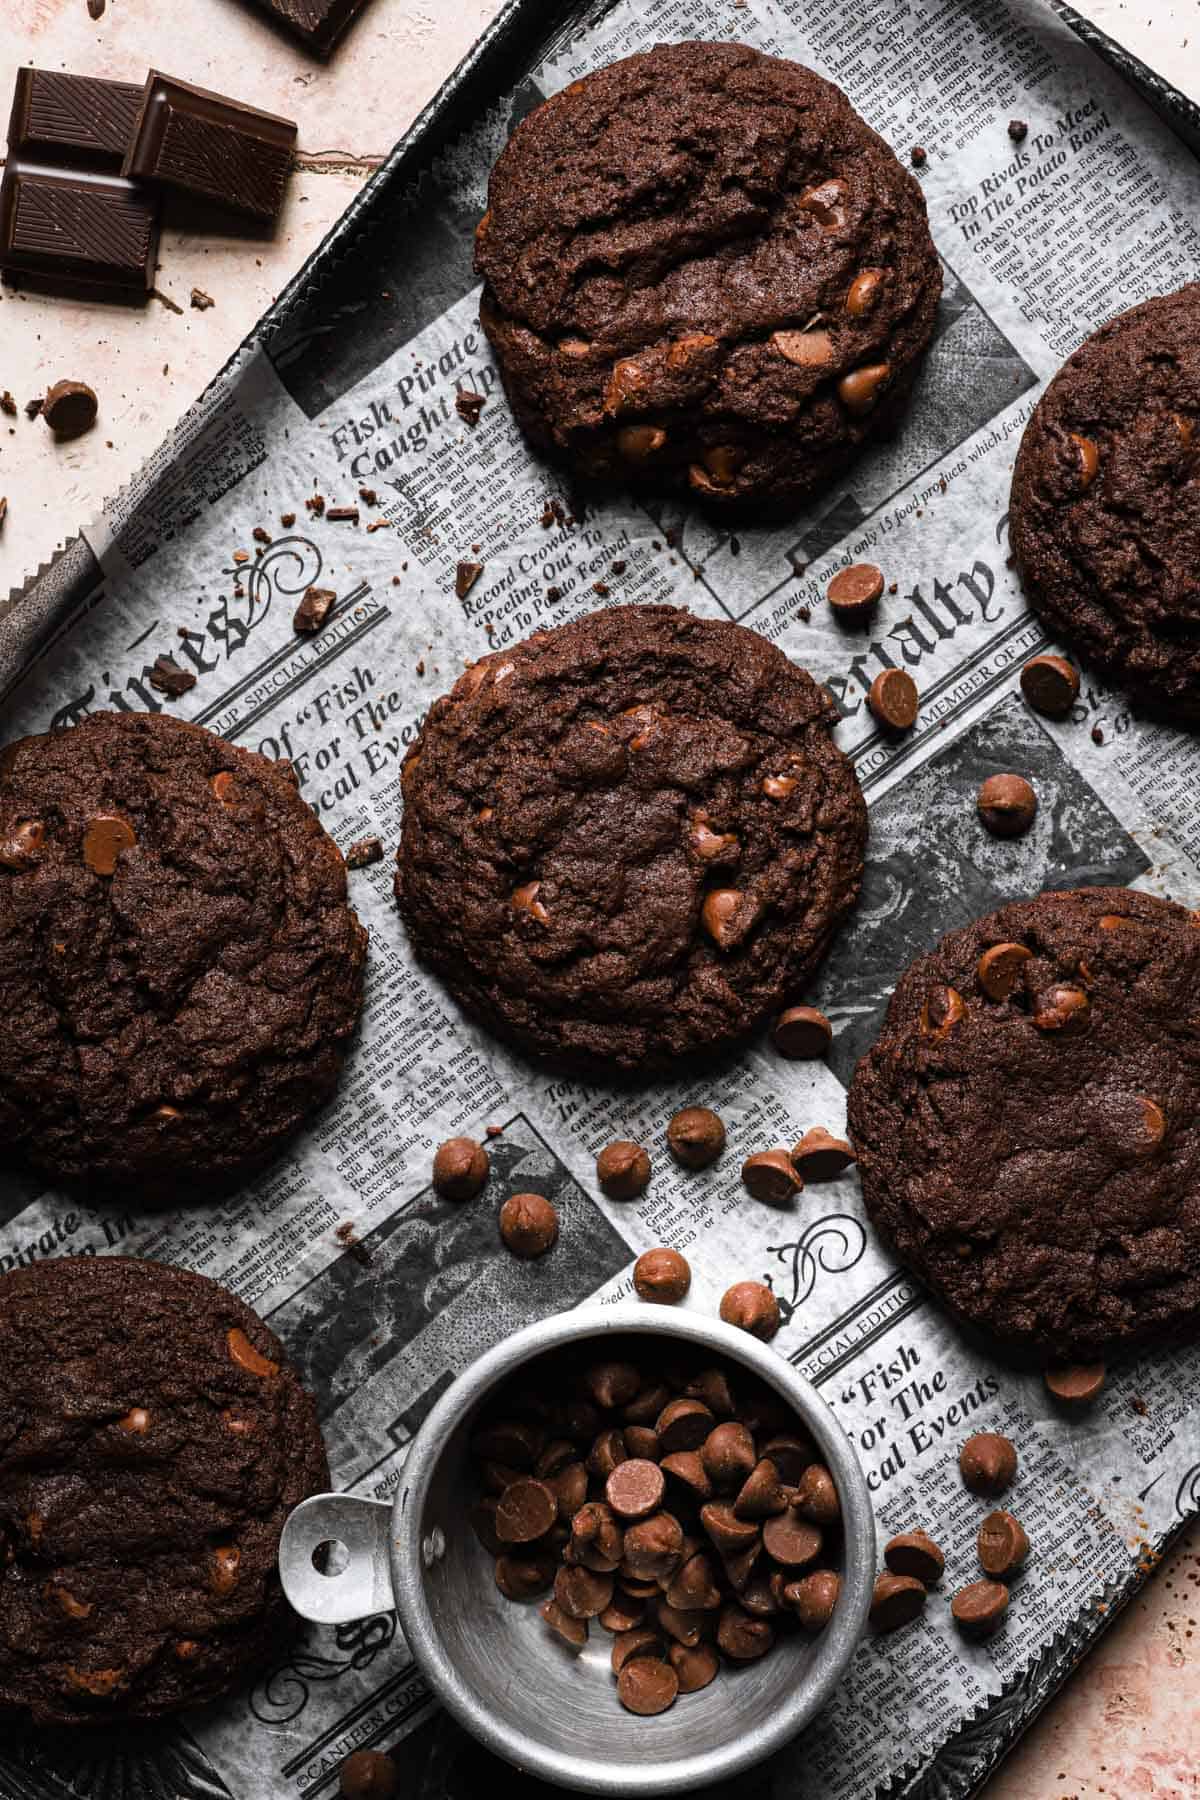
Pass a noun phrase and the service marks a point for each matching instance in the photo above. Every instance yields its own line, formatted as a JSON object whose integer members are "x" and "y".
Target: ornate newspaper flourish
{"x": 1041, "y": 241}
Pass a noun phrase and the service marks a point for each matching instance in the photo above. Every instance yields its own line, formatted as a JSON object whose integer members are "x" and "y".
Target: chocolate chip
{"x": 768, "y": 1175}
{"x": 854, "y": 592}
{"x": 1075, "y": 1383}
{"x": 741, "y": 1636}
{"x": 661, "y": 1276}
{"x": 686, "y": 1467}
{"x": 596, "y": 1538}
{"x": 802, "y": 1033}
{"x": 637, "y": 442}
{"x": 820, "y": 1157}
{"x": 685, "y": 1627}
{"x": 166, "y": 677}
{"x": 369, "y": 1775}
{"x": 653, "y": 1548}
{"x": 642, "y": 1441}
{"x": 696, "y": 1137}
{"x": 313, "y": 609}
{"x": 242, "y": 1352}
{"x": 647, "y": 1686}
{"x": 817, "y": 1496}
{"x": 762, "y": 1494}
{"x": 790, "y": 1454}
{"x": 525, "y": 1577}
{"x": 1051, "y": 685}
{"x": 623, "y": 1170}
{"x": 635, "y": 1489}
{"x": 572, "y": 1631}
{"x": 1002, "y": 1545}
{"x": 805, "y": 349}
{"x": 365, "y": 852}
{"x": 582, "y": 1593}
{"x": 570, "y": 1487}
{"x": 1066, "y": 1011}
{"x": 915, "y": 1553}
{"x": 606, "y": 1454}
{"x": 136, "y": 1421}
{"x": 979, "y": 1608}
{"x": 527, "y": 1509}
{"x": 683, "y": 1425}
{"x": 1087, "y": 458}
{"x": 528, "y": 1224}
{"x": 640, "y": 1640}
{"x": 693, "y": 1586}
{"x": 792, "y": 1539}
{"x": 105, "y": 839}
{"x": 468, "y": 405}
{"x": 224, "y": 1569}
{"x": 1007, "y": 805}
{"x": 460, "y": 1169}
{"x": 694, "y": 1666}
{"x": 863, "y": 292}
{"x": 613, "y": 1383}
{"x": 813, "y": 1598}
{"x": 1001, "y": 969}
{"x": 622, "y": 1614}
{"x": 943, "y": 1007}
{"x": 465, "y": 577}
{"x": 19, "y": 850}
{"x": 894, "y": 700}
{"x": 896, "y": 1600}
{"x": 987, "y": 1462}
{"x": 751, "y": 1307}
{"x": 514, "y": 1442}
{"x": 70, "y": 409}
{"x": 861, "y": 388}
{"x": 648, "y": 1402}
{"x": 728, "y": 1455}
{"x": 712, "y": 1386}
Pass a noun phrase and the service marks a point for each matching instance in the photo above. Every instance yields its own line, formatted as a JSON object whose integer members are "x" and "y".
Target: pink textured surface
{"x": 1127, "y": 1725}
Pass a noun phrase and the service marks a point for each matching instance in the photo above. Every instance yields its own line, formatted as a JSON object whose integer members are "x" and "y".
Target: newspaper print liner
{"x": 165, "y": 1762}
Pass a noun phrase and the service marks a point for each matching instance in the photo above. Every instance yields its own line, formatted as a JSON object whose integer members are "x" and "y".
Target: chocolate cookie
{"x": 702, "y": 269}
{"x": 179, "y": 969}
{"x": 629, "y": 838}
{"x": 1105, "y": 514}
{"x": 1027, "y": 1125}
{"x": 152, "y": 1443}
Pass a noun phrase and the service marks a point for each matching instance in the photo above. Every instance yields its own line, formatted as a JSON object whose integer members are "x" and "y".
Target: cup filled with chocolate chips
{"x": 632, "y": 1550}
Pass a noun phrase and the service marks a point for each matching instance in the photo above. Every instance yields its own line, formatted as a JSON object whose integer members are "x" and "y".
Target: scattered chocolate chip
{"x": 70, "y": 409}
{"x": 465, "y": 577}
{"x": 820, "y": 1157}
{"x": 460, "y": 1169}
{"x": 751, "y": 1307}
{"x": 314, "y": 609}
{"x": 1051, "y": 685}
{"x": 802, "y": 1033}
{"x": 915, "y": 1553}
{"x": 987, "y": 1462}
{"x": 894, "y": 700}
{"x": 662, "y": 1277}
{"x": 854, "y": 592}
{"x": 623, "y": 1170}
{"x": 768, "y": 1175}
{"x": 696, "y": 1137}
{"x": 980, "y": 1607}
{"x": 202, "y": 301}
{"x": 528, "y": 1224}
{"x": 1002, "y": 1545}
{"x": 897, "y": 1600}
{"x": 368, "y": 1774}
{"x": 1077, "y": 1384}
{"x": 166, "y": 677}
{"x": 1007, "y": 805}
{"x": 366, "y": 851}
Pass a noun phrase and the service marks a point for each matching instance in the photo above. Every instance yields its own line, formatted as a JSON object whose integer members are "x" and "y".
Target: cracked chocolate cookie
{"x": 629, "y": 838}
{"x": 1105, "y": 514}
{"x": 1026, "y": 1125}
{"x": 702, "y": 269}
{"x": 179, "y": 969}
{"x": 152, "y": 1442}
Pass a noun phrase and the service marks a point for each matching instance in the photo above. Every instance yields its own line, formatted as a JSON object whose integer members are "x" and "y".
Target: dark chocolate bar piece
{"x": 318, "y": 22}
{"x": 75, "y": 119}
{"x": 212, "y": 146}
{"x": 81, "y": 227}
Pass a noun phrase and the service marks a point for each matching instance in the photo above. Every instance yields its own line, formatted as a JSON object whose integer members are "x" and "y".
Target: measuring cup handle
{"x": 364, "y": 1586}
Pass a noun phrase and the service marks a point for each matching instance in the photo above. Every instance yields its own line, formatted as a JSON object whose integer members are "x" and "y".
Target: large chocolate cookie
{"x": 179, "y": 969}
{"x": 152, "y": 1443}
{"x": 1105, "y": 518}
{"x": 628, "y": 838}
{"x": 1028, "y": 1125}
{"x": 702, "y": 268}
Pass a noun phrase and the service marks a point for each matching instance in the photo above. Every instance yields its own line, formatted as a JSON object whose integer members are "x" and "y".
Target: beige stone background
{"x": 1127, "y": 1725}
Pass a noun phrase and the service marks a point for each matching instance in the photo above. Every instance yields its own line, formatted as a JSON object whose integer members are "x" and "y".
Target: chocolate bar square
{"x": 85, "y": 228}
{"x": 203, "y": 143}
{"x": 75, "y": 119}
{"x": 318, "y": 23}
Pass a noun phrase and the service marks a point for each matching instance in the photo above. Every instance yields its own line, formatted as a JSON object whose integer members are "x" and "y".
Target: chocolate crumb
{"x": 96, "y": 8}
{"x": 893, "y": 587}
{"x": 366, "y": 851}
{"x": 185, "y": 631}
{"x": 1138, "y": 1405}
{"x": 342, "y": 515}
{"x": 315, "y": 504}
{"x": 3, "y": 508}
{"x": 602, "y": 588}
{"x": 378, "y": 525}
{"x": 1097, "y": 734}
{"x": 553, "y": 594}
{"x": 468, "y": 405}
{"x": 33, "y": 408}
{"x": 241, "y": 556}
{"x": 260, "y": 535}
{"x": 465, "y": 577}
{"x": 1017, "y": 130}
{"x": 735, "y": 546}
{"x": 368, "y": 496}
{"x": 918, "y": 156}
{"x": 806, "y": 613}
{"x": 619, "y": 568}
{"x": 202, "y": 301}
{"x": 672, "y": 538}
{"x": 314, "y": 609}
{"x": 395, "y": 581}
{"x": 421, "y": 666}
{"x": 8, "y": 404}
{"x": 287, "y": 520}
{"x": 166, "y": 677}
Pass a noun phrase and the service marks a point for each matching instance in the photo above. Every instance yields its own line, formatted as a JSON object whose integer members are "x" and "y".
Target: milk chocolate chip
{"x": 243, "y": 1353}
{"x": 817, "y": 1496}
{"x": 70, "y": 409}
{"x": 662, "y": 1277}
{"x": 647, "y": 1686}
{"x": 894, "y": 700}
{"x": 1075, "y": 1383}
{"x": 526, "y": 1510}
{"x": 752, "y": 1307}
{"x": 19, "y": 850}
{"x": 897, "y": 1600}
{"x": 1002, "y": 969}
{"x": 915, "y": 1553}
{"x": 635, "y": 1488}
{"x": 460, "y": 1169}
{"x": 1063, "y": 1010}
{"x": 528, "y": 1224}
{"x": 683, "y": 1425}
{"x": 623, "y": 1170}
{"x": 762, "y": 1494}
{"x": 694, "y": 1667}
{"x": 987, "y": 1462}
{"x": 728, "y": 1455}
{"x": 821, "y": 1157}
{"x": 582, "y": 1593}
{"x": 741, "y": 1636}
{"x": 612, "y": 1384}
{"x": 979, "y": 1608}
{"x": 813, "y": 1598}
{"x": 802, "y": 1033}
{"x": 768, "y": 1175}
{"x": 104, "y": 840}
{"x": 1007, "y": 805}
{"x": 1051, "y": 685}
{"x": 572, "y": 1631}
{"x": 853, "y": 593}
{"x": 791, "y": 1539}
{"x": 1002, "y": 1545}
{"x": 860, "y": 390}
{"x": 369, "y": 1775}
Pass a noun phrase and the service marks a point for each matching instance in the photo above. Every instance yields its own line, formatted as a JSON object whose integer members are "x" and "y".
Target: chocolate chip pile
{"x": 681, "y": 1506}
{"x": 914, "y": 1562}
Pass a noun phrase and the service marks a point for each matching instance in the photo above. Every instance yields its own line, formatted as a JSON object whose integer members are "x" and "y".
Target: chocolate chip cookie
{"x": 702, "y": 269}
{"x": 629, "y": 838}
{"x": 1105, "y": 515}
{"x": 1026, "y": 1125}
{"x": 152, "y": 1441}
{"x": 179, "y": 969}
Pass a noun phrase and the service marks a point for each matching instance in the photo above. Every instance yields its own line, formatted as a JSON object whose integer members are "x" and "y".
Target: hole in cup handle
{"x": 364, "y": 1585}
